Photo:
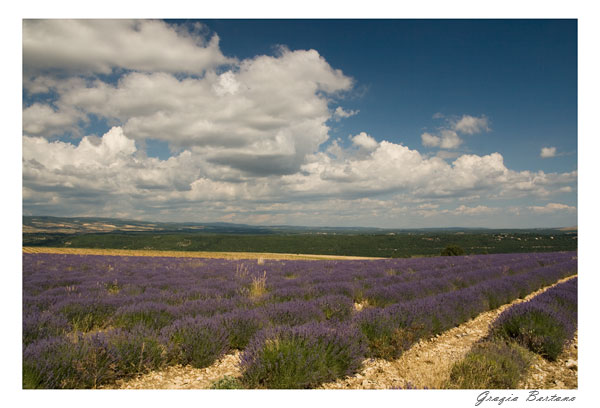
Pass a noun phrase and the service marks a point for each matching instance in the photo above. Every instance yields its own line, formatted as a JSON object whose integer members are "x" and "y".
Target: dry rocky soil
{"x": 425, "y": 365}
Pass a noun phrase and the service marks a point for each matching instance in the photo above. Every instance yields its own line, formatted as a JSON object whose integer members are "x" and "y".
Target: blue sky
{"x": 397, "y": 123}
{"x": 522, "y": 74}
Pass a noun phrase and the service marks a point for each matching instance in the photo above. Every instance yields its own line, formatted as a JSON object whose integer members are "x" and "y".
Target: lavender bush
{"x": 150, "y": 314}
{"x": 335, "y": 308}
{"x": 44, "y": 325}
{"x": 49, "y": 363}
{"x": 85, "y": 313}
{"x": 544, "y": 324}
{"x": 137, "y": 351}
{"x": 302, "y": 356}
{"x": 196, "y": 341}
{"x": 490, "y": 365}
{"x": 293, "y": 313}
{"x": 60, "y": 362}
{"x": 241, "y": 325}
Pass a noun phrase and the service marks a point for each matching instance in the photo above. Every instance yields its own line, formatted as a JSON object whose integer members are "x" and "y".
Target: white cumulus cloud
{"x": 109, "y": 175}
{"x": 340, "y": 113}
{"x": 477, "y": 210}
{"x": 471, "y": 125}
{"x": 448, "y": 139}
{"x": 548, "y": 152}
{"x": 99, "y": 46}
{"x": 263, "y": 118}
{"x": 552, "y": 208}
{"x": 40, "y": 119}
{"x": 364, "y": 141}
{"x": 430, "y": 140}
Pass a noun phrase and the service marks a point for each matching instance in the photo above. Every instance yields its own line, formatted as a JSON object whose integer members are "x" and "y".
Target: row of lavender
{"x": 392, "y": 329}
{"x": 135, "y": 314}
{"x": 100, "y": 285}
{"x": 543, "y": 325}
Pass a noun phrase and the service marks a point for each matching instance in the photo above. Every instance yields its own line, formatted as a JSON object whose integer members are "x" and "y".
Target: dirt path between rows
{"x": 426, "y": 364}
{"x": 184, "y": 377}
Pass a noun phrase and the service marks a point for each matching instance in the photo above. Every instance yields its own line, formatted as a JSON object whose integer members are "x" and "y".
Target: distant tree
{"x": 452, "y": 250}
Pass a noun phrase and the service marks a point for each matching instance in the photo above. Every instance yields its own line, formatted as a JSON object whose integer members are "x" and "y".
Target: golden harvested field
{"x": 183, "y": 254}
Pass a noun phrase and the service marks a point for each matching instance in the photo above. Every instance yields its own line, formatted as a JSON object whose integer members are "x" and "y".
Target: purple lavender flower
{"x": 543, "y": 324}
{"x": 293, "y": 313}
{"x": 196, "y": 341}
{"x": 302, "y": 356}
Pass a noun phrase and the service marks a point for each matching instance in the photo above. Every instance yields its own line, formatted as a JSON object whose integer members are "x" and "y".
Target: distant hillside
{"x": 79, "y": 225}
{"x": 86, "y": 225}
{"x": 108, "y": 233}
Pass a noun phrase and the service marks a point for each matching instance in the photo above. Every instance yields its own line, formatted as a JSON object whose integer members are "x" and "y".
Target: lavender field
{"x": 89, "y": 320}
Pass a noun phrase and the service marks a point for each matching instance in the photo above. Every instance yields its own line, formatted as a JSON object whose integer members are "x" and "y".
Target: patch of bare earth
{"x": 184, "y": 377}
{"x": 427, "y": 364}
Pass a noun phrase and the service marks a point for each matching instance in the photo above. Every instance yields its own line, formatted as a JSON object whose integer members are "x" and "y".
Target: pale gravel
{"x": 184, "y": 377}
